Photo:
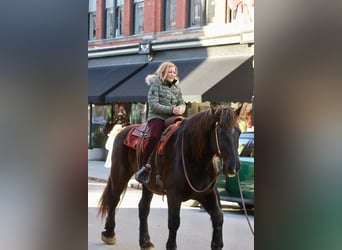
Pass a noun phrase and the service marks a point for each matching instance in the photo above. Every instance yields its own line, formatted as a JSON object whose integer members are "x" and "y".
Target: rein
{"x": 186, "y": 174}
{"x": 238, "y": 178}
{"x": 244, "y": 206}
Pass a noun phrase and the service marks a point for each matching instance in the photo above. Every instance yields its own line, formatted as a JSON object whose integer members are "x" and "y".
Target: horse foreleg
{"x": 211, "y": 205}
{"x": 173, "y": 222}
{"x": 144, "y": 210}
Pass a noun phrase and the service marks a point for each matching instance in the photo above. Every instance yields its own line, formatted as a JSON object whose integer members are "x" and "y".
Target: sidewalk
{"x": 98, "y": 172}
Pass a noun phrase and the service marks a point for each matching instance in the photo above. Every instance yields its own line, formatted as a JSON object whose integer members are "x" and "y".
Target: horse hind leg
{"x": 144, "y": 210}
{"x": 108, "y": 236}
{"x": 109, "y": 202}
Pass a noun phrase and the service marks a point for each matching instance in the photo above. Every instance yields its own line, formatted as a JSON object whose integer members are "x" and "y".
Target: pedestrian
{"x": 109, "y": 143}
{"x": 164, "y": 100}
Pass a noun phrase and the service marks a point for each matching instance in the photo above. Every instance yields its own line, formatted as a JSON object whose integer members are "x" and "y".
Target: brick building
{"x": 211, "y": 42}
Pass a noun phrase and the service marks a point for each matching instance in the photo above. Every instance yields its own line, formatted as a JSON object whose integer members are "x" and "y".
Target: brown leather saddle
{"x": 138, "y": 135}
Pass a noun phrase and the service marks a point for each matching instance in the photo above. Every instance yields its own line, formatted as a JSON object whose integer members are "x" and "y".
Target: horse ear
{"x": 212, "y": 107}
{"x": 237, "y": 111}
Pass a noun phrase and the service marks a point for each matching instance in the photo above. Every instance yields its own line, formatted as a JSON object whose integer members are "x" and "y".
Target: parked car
{"x": 228, "y": 187}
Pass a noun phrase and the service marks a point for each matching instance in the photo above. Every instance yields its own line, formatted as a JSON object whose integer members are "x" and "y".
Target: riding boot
{"x": 143, "y": 175}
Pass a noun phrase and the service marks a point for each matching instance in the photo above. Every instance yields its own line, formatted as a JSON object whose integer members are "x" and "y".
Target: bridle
{"x": 238, "y": 178}
{"x": 184, "y": 168}
{"x": 217, "y": 144}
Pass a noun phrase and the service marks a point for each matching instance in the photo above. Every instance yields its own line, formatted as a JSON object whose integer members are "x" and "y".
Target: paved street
{"x": 194, "y": 232}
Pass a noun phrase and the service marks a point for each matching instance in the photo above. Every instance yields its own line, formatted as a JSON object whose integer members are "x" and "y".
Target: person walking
{"x": 109, "y": 144}
{"x": 164, "y": 100}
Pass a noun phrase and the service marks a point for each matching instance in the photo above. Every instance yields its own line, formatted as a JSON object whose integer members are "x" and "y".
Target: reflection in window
{"x": 138, "y": 16}
{"x": 100, "y": 115}
{"x": 196, "y": 12}
{"x": 92, "y": 20}
{"x": 170, "y": 14}
{"x": 202, "y": 12}
{"x": 119, "y": 17}
{"x": 246, "y": 147}
{"x": 92, "y": 26}
{"x": 211, "y": 11}
{"x": 114, "y": 18}
{"x": 109, "y": 22}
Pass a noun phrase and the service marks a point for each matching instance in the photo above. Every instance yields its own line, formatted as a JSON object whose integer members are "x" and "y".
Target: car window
{"x": 246, "y": 147}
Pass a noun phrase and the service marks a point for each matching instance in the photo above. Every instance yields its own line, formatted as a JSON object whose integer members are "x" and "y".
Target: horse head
{"x": 225, "y": 139}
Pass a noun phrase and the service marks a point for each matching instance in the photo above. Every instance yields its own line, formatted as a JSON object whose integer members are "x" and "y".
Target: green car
{"x": 228, "y": 188}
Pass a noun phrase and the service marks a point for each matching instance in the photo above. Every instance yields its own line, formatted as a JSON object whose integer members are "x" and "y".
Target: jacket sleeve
{"x": 153, "y": 101}
{"x": 180, "y": 99}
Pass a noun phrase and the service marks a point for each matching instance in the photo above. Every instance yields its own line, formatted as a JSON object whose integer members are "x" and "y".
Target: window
{"x": 99, "y": 114}
{"x": 211, "y": 11}
{"x": 114, "y": 18}
{"x": 109, "y": 19}
{"x": 196, "y": 12}
{"x": 138, "y": 17}
{"x": 92, "y": 20}
{"x": 119, "y": 17}
{"x": 246, "y": 147}
{"x": 170, "y": 14}
{"x": 202, "y": 12}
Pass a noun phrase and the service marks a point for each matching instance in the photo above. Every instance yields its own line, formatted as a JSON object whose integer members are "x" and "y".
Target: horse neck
{"x": 198, "y": 150}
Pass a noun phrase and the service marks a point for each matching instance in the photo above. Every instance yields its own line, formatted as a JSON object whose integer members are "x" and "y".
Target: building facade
{"x": 211, "y": 42}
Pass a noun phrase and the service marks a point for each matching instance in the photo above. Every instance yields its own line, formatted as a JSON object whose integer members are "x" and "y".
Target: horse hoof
{"x": 108, "y": 240}
{"x": 149, "y": 247}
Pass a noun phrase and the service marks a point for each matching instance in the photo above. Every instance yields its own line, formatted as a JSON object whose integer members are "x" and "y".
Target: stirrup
{"x": 143, "y": 175}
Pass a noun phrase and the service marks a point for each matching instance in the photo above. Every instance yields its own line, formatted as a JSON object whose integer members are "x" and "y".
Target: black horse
{"x": 186, "y": 171}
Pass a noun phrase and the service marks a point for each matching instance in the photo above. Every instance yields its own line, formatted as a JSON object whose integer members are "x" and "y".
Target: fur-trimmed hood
{"x": 153, "y": 78}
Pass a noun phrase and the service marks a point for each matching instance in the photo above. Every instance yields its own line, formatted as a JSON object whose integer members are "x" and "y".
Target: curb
{"x": 97, "y": 179}
{"x": 131, "y": 183}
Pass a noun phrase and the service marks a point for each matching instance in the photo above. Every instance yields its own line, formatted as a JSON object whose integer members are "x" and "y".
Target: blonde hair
{"x": 162, "y": 69}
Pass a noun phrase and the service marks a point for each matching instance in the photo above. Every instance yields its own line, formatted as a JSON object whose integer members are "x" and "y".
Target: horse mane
{"x": 200, "y": 125}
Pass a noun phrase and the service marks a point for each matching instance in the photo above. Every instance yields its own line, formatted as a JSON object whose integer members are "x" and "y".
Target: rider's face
{"x": 171, "y": 74}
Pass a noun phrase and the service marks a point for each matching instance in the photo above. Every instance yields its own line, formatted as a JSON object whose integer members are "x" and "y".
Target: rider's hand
{"x": 178, "y": 110}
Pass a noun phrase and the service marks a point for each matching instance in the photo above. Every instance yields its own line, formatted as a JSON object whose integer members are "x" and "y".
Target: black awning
{"x": 198, "y": 80}
{"x": 102, "y": 80}
{"x": 135, "y": 88}
{"x": 200, "y": 84}
{"x": 237, "y": 86}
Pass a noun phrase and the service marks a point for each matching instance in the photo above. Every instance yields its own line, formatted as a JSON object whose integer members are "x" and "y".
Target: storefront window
{"x": 138, "y": 113}
{"x": 98, "y": 116}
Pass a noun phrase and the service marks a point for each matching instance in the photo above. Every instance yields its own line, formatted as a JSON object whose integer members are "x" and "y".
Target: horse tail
{"x": 105, "y": 199}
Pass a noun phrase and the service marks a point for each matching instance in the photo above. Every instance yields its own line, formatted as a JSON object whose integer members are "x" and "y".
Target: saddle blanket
{"x": 139, "y": 132}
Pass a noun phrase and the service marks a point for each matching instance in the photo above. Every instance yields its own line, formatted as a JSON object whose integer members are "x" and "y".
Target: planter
{"x": 96, "y": 154}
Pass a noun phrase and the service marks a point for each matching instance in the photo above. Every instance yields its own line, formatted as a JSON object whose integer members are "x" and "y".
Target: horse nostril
{"x": 232, "y": 174}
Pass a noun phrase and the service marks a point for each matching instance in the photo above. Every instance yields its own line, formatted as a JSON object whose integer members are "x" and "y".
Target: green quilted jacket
{"x": 162, "y": 98}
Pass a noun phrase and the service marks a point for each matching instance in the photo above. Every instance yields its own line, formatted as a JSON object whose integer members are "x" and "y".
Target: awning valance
{"x": 102, "y": 80}
{"x": 200, "y": 84}
{"x": 135, "y": 89}
{"x": 236, "y": 86}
